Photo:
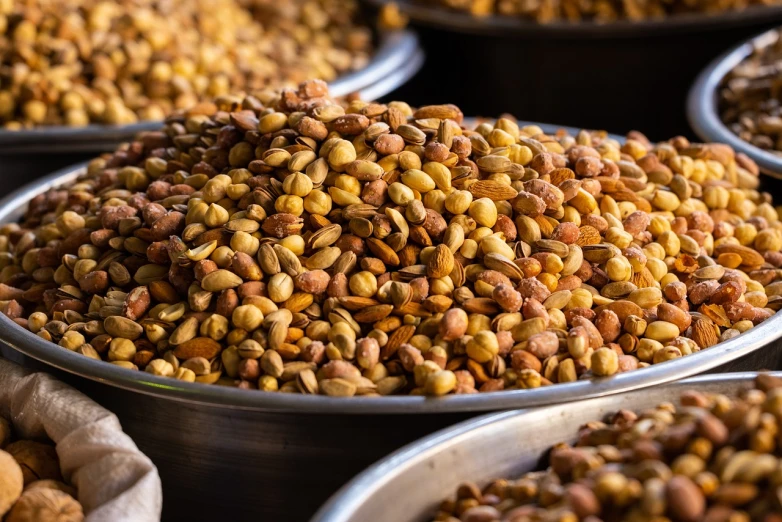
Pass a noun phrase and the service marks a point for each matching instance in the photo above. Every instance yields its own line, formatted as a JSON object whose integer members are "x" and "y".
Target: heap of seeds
{"x": 302, "y": 246}
{"x": 750, "y": 98}
{"x": 546, "y": 11}
{"x": 118, "y": 62}
{"x": 31, "y": 487}
{"x": 715, "y": 458}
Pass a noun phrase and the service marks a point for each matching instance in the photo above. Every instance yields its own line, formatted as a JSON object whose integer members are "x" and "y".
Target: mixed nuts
{"x": 118, "y": 62}
{"x": 749, "y": 98}
{"x": 31, "y": 487}
{"x": 712, "y": 458}
{"x": 290, "y": 243}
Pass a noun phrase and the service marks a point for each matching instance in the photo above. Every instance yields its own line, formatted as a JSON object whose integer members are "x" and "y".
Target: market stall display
{"x": 222, "y": 422}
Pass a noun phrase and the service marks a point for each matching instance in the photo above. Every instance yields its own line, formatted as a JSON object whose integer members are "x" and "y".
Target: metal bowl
{"x": 259, "y": 451}
{"x": 702, "y": 103}
{"x": 409, "y": 484}
{"x": 395, "y": 61}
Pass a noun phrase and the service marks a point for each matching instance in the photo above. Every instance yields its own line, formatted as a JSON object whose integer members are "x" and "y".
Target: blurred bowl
{"x": 617, "y": 76}
{"x": 703, "y": 101}
{"x": 410, "y": 484}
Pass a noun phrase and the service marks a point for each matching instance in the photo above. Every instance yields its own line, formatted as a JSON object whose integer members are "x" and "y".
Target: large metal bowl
{"x": 409, "y": 484}
{"x": 258, "y": 452}
{"x": 702, "y": 103}
{"x": 396, "y": 60}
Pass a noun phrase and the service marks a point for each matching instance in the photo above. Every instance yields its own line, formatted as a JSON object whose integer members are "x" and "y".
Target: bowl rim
{"x": 397, "y": 58}
{"x": 343, "y": 504}
{"x": 13, "y": 206}
{"x": 703, "y": 99}
{"x": 499, "y": 25}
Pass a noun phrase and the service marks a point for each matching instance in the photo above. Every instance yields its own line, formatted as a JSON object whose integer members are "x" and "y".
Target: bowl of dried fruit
{"x": 64, "y": 458}
{"x": 699, "y": 449}
{"x": 734, "y": 101}
{"x": 309, "y": 270}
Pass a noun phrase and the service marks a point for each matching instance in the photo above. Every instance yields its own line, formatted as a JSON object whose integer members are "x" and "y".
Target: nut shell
{"x": 46, "y": 505}
{"x": 11, "y": 482}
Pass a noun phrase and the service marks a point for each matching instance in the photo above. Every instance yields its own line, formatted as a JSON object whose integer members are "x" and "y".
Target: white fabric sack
{"x": 115, "y": 481}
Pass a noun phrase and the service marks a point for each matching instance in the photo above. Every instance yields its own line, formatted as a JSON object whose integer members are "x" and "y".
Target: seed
{"x": 220, "y": 280}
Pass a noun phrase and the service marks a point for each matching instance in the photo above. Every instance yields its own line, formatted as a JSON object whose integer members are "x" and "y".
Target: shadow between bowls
{"x": 620, "y": 76}
{"x": 703, "y": 99}
{"x": 280, "y": 456}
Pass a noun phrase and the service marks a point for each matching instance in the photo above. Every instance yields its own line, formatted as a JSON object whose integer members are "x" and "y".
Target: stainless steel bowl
{"x": 261, "y": 452}
{"x": 409, "y": 484}
{"x": 702, "y": 108}
{"x": 395, "y": 61}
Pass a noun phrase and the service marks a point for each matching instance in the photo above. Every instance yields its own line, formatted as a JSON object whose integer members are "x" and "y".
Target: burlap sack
{"x": 116, "y": 482}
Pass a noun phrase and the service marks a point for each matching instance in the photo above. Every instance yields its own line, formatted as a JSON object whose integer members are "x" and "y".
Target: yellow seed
{"x": 215, "y": 216}
{"x": 484, "y": 212}
{"x": 247, "y": 317}
{"x": 418, "y": 180}
{"x": 201, "y": 252}
{"x": 440, "y": 383}
{"x": 400, "y": 193}
{"x": 662, "y": 331}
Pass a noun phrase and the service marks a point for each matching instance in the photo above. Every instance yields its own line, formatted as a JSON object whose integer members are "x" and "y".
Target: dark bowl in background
{"x": 617, "y": 76}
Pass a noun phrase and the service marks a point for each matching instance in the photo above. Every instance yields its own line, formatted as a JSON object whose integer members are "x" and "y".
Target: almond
{"x": 588, "y": 235}
{"x": 356, "y": 303}
{"x": 493, "y": 190}
{"x": 704, "y": 333}
{"x": 298, "y": 302}
{"x": 441, "y": 263}
{"x": 685, "y": 499}
{"x": 557, "y": 176}
{"x": 399, "y": 337}
{"x": 383, "y": 252}
{"x": 373, "y": 313}
{"x": 198, "y": 347}
{"x": 749, "y": 257}
{"x": 623, "y": 309}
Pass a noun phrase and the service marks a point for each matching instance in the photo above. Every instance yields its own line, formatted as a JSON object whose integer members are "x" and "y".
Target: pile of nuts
{"x": 749, "y": 98}
{"x": 299, "y": 245}
{"x": 31, "y": 487}
{"x": 118, "y": 62}
{"x": 546, "y": 11}
{"x": 714, "y": 458}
